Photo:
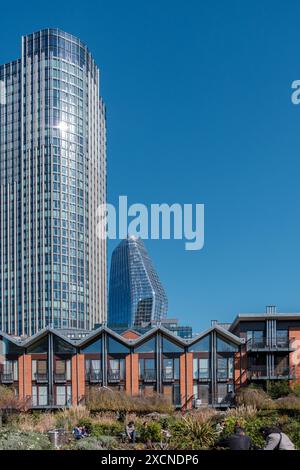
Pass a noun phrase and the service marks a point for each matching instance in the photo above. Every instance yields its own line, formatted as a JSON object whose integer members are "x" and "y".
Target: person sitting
{"x": 236, "y": 441}
{"x": 276, "y": 439}
{"x": 130, "y": 432}
{"x": 77, "y": 432}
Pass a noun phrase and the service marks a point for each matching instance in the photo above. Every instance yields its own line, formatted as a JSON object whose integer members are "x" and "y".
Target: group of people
{"x": 80, "y": 431}
{"x": 274, "y": 438}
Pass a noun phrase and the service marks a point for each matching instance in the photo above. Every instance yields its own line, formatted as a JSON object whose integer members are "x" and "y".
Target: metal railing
{"x": 7, "y": 377}
{"x": 222, "y": 375}
{"x": 60, "y": 377}
{"x": 94, "y": 376}
{"x": 148, "y": 375}
{"x": 201, "y": 375}
{"x": 279, "y": 372}
{"x": 168, "y": 376}
{"x": 262, "y": 344}
{"x": 114, "y": 375}
{"x": 40, "y": 378}
{"x": 215, "y": 401}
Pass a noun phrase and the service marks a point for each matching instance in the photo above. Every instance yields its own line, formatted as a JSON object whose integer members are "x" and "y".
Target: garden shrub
{"x": 95, "y": 443}
{"x": 151, "y": 432}
{"x": 107, "y": 429}
{"x": 192, "y": 433}
{"x": 278, "y": 389}
{"x": 13, "y": 440}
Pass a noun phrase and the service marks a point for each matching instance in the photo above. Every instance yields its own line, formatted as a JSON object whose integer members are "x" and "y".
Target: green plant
{"x": 95, "y": 443}
{"x": 254, "y": 396}
{"x": 290, "y": 402}
{"x": 151, "y": 432}
{"x": 296, "y": 388}
{"x": 278, "y": 389}
{"x": 106, "y": 429}
{"x": 10, "y": 440}
{"x": 101, "y": 399}
{"x": 192, "y": 433}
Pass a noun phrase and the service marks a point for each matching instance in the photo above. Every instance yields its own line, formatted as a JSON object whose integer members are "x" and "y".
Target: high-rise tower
{"x": 136, "y": 295}
{"x": 53, "y": 178}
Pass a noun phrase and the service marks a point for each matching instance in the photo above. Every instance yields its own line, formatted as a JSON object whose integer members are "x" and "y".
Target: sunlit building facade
{"x": 53, "y": 178}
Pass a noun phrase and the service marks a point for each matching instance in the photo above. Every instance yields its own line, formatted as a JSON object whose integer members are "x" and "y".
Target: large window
{"x": 116, "y": 370}
{"x": 225, "y": 346}
{"x": 39, "y": 370}
{"x": 170, "y": 347}
{"x": 282, "y": 338}
{"x": 93, "y": 370}
{"x": 201, "y": 394}
{"x": 9, "y": 372}
{"x": 62, "y": 369}
{"x": 147, "y": 370}
{"x": 171, "y": 368}
{"x": 203, "y": 345}
{"x": 39, "y": 395}
{"x": 147, "y": 346}
{"x": 63, "y": 395}
{"x": 256, "y": 338}
{"x": 201, "y": 368}
{"x": 224, "y": 368}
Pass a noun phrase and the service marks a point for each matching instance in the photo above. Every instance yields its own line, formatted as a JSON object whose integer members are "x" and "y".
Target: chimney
{"x": 214, "y": 322}
{"x": 271, "y": 309}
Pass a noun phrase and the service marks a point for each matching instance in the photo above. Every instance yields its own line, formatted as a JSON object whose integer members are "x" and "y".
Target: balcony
{"x": 60, "y": 378}
{"x": 114, "y": 375}
{"x": 213, "y": 401}
{"x": 202, "y": 375}
{"x": 94, "y": 376}
{"x": 262, "y": 344}
{"x": 168, "y": 376}
{"x": 7, "y": 378}
{"x": 40, "y": 378}
{"x": 148, "y": 375}
{"x": 222, "y": 375}
{"x": 261, "y": 373}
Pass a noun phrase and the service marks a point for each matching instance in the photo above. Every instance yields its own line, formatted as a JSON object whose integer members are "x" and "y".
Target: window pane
{"x": 169, "y": 346}
{"x": 148, "y": 346}
{"x": 203, "y": 345}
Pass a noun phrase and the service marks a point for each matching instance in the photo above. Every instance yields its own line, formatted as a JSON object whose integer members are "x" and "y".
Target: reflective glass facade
{"x": 53, "y": 178}
{"x": 136, "y": 295}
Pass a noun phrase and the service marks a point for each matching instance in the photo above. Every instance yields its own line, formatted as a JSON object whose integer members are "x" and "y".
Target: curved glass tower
{"x": 53, "y": 178}
{"x": 136, "y": 295}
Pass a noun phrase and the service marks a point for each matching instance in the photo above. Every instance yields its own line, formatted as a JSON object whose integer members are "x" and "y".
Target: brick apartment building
{"x": 56, "y": 368}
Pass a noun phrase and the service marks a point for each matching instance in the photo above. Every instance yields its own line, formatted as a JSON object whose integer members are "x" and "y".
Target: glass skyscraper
{"x": 136, "y": 295}
{"x": 53, "y": 178}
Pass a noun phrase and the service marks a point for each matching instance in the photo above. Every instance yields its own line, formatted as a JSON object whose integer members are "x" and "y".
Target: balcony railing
{"x": 113, "y": 375}
{"x": 94, "y": 376}
{"x": 215, "y": 401}
{"x": 279, "y": 372}
{"x": 262, "y": 344}
{"x": 223, "y": 376}
{"x": 40, "y": 378}
{"x": 148, "y": 375}
{"x": 7, "y": 377}
{"x": 60, "y": 377}
{"x": 201, "y": 375}
{"x": 169, "y": 376}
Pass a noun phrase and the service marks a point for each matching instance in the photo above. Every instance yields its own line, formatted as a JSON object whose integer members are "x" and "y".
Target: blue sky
{"x": 199, "y": 111}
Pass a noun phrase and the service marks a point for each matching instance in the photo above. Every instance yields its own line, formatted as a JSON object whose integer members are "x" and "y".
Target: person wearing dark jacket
{"x": 236, "y": 441}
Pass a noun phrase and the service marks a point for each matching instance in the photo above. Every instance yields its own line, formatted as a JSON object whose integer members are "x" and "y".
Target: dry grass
{"x": 255, "y": 397}
{"x": 69, "y": 418}
{"x": 109, "y": 400}
{"x": 243, "y": 411}
{"x": 8, "y": 400}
